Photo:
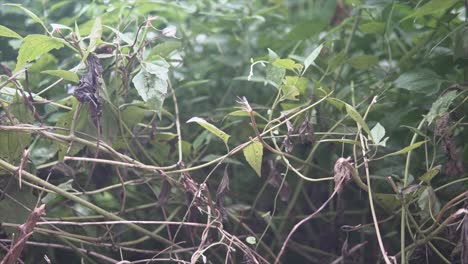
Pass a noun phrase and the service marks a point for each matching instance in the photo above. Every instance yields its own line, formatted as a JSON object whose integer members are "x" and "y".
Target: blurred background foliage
{"x": 400, "y": 64}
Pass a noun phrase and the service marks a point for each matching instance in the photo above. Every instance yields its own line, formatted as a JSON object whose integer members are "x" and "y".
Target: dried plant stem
{"x": 33, "y": 178}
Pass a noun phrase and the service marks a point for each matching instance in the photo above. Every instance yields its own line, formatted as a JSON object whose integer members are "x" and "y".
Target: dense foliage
{"x": 220, "y": 131}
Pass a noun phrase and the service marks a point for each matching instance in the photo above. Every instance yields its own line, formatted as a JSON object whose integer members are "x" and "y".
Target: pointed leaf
{"x": 378, "y": 133}
{"x": 33, "y": 16}
{"x": 211, "y": 128}
{"x": 95, "y": 35}
{"x": 431, "y": 7}
{"x": 253, "y": 153}
{"x": 34, "y": 46}
{"x": 406, "y": 149}
{"x": 311, "y": 58}
{"x": 358, "y": 118}
{"x": 66, "y": 75}
{"x": 6, "y": 32}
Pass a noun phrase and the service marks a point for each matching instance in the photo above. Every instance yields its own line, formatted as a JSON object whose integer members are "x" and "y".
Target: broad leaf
{"x": 287, "y": 64}
{"x": 432, "y": 7}
{"x": 6, "y": 32}
{"x": 293, "y": 86}
{"x": 274, "y": 74}
{"x": 211, "y": 128}
{"x": 441, "y": 106}
{"x": 34, "y": 46}
{"x": 253, "y": 153}
{"x": 66, "y": 75}
{"x": 422, "y": 81}
{"x": 151, "y": 83}
{"x": 373, "y": 27}
{"x": 378, "y": 133}
{"x": 363, "y": 61}
{"x": 428, "y": 203}
{"x": 164, "y": 49}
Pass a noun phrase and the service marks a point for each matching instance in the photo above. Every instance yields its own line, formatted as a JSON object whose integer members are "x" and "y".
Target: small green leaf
{"x": 293, "y": 86}
{"x": 6, "y": 32}
{"x": 358, "y": 118}
{"x": 253, "y": 153}
{"x": 311, "y": 58}
{"x": 427, "y": 177}
{"x": 251, "y": 240}
{"x": 378, "y": 133}
{"x": 66, "y": 75}
{"x": 287, "y": 64}
{"x": 441, "y": 106}
{"x": 34, "y": 46}
{"x": 373, "y": 27}
{"x": 211, "y": 128}
{"x": 406, "y": 149}
{"x": 95, "y": 35}
{"x": 432, "y": 7}
{"x": 274, "y": 74}
{"x": 363, "y": 62}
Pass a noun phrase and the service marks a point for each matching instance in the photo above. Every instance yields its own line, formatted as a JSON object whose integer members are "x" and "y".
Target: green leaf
{"x": 211, "y": 128}
{"x": 95, "y": 35}
{"x": 406, "y": 149}
{"x": 151, "y": 83}
{"x": 33, "y": 16}
{"x": 422, "y": 81}
{"x": 373, "y": 27}
{"x": 440, "y": 106}
{"x": 427, "y": 177}
{"x": 253, "y": 153}
{"x": 428, "y": 203}
{"x": 358, "y": 118}
{"x": 337, "y": 60}
{"x": 66, "y": 75}
{"x": 378, "y": 133}
{"x": 363, "y": 61}
{"x": 307, "y": 29}
{"x": 293, "y": 86}
{"x": 120, "y": 35}
{"x": 432, "y": 7}
{"x": 287, "y": 64}
{"x": 132, "y": 115}
{"x": 164, "y": 49}
{"x": 274, "y": 74}
{"x": 311, "y": 58}
{"x": 6, "y": 32}
{"x": 34, "y": 46}
{"x": 389, "y": 202}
